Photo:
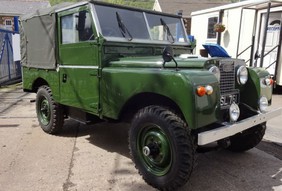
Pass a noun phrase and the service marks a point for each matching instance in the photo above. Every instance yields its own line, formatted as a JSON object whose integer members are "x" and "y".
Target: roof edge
{"x": 235, "y": 5}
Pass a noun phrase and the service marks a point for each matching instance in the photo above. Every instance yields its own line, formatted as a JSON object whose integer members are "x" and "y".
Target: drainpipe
{"x": 264, "y": 35}
{"x": 221, "y": 13}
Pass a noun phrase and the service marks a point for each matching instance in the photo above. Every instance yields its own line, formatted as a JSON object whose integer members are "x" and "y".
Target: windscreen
{"x": 165, "y": 28}
{"x": 122, "y": 23}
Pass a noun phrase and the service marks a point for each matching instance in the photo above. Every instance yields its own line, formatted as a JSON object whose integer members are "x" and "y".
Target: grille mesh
{"x": 227, "y": 77}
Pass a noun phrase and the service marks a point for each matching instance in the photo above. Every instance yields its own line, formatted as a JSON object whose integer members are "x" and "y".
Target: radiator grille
{"x": 227, "y": 77}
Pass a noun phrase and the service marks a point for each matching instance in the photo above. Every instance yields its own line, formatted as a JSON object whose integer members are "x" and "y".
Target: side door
{"x": 272, "y": 41}
{"x": 78, "y": 60}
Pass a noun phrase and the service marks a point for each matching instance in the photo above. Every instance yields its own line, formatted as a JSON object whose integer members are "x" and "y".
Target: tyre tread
{"x": 247, "y": 139}
{"x": 58, "y": 117}
{"x": 185, "y": 145}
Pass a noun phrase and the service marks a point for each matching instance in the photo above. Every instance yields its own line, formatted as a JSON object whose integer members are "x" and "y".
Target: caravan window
{"x": 211, "y": 22}
{"x": 8, "y": 24}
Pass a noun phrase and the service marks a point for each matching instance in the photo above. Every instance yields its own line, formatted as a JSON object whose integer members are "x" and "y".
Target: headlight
{"x": 215, "y": 70}
{"x": 242, "y": 75}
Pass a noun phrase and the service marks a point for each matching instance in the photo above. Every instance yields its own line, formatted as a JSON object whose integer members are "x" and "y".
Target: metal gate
{"x": 10, "y": 71}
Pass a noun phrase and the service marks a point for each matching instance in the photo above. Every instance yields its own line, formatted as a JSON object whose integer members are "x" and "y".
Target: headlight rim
{"x": 217, "y": 74}
{"x": 239, "y": 75}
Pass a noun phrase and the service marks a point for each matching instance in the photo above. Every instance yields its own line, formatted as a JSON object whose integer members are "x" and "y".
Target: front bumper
{"x": 225, "y": 131}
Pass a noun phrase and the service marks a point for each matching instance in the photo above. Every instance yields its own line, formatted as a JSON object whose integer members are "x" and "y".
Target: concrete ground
{"x": 96, "y": 157}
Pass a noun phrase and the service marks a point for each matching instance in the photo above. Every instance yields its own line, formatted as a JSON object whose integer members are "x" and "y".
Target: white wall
{"x": 229, "y": 38}
{"x": 199, "y": 28}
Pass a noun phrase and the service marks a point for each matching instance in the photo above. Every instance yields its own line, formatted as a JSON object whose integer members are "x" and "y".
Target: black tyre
{"x": 49, "y": 113}
{"x": 247, "y": 139}
{"x": 161, "y": 148}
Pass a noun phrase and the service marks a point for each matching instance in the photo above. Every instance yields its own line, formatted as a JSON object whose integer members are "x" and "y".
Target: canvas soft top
{"x": 37, "y": 31}
{"x": 45, "y": 11}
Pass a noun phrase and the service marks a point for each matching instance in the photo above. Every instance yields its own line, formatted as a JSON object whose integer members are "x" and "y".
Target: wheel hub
{"x": 44, "y": 111}
{"x": 152, "y": 149}
{"x": 155, "y": 150}
{"x": 146, "y": 151}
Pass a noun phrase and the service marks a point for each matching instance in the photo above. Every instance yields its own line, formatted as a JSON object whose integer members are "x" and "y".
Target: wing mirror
{"x": 168, "y": 56}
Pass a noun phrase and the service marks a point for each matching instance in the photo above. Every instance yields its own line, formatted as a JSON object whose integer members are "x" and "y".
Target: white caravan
{"x": 252, "y": 32}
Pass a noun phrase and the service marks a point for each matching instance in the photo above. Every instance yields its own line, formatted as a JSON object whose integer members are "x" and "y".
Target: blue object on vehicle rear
{"x": 216, "y": 50}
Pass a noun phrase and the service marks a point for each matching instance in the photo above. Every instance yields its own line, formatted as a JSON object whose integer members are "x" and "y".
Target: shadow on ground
{"x": 217, "y": 170}
{"x": 108, "y": 136}
{"x": 277, "y": 90}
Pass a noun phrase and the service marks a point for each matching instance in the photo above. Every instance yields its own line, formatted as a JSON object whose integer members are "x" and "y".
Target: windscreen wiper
{"x": 166, "y": 28}
{"x": 123, "y": 29}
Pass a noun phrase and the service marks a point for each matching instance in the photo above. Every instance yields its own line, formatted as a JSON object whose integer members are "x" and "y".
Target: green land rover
{"x": 94, "y": 61}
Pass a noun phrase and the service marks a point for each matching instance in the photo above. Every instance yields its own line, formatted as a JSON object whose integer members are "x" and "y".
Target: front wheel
{"x": 161, "y": 148}
{"x": 49, "y": 113}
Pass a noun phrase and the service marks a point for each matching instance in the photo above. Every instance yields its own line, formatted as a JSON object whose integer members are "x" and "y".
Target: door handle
{"x": 65, "y": 77}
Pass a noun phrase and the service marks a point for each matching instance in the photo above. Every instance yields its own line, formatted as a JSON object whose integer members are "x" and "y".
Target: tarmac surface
{"x": 96, "y": 157}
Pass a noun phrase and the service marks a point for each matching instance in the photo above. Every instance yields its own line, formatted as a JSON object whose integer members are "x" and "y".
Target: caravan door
{"x": 272, "y": 43}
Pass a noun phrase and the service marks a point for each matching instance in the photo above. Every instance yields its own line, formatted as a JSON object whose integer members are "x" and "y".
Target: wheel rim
{"x": 44, "y": 111}
{"x": 154, "y": 149}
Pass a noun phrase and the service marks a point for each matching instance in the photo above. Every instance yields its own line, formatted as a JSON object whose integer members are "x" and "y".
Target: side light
{"x": 242, "y": 75}
{"x": 209, "y": 90}
{"x": 268, "y": 81}
{"x": 201, "y": 91}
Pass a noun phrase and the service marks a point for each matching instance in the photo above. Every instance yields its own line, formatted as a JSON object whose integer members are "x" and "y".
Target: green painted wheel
{"x": 154, "y": 149}
{"x": 161, "y": 148}
{"x": 49, "y": 113}
{"x": 44, "y": 111}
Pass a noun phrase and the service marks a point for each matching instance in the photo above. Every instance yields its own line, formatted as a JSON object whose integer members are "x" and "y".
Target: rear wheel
{"x": 161, "y": 147}
{"x": 49, "y": 113}
{"x": 247, "y": 139}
